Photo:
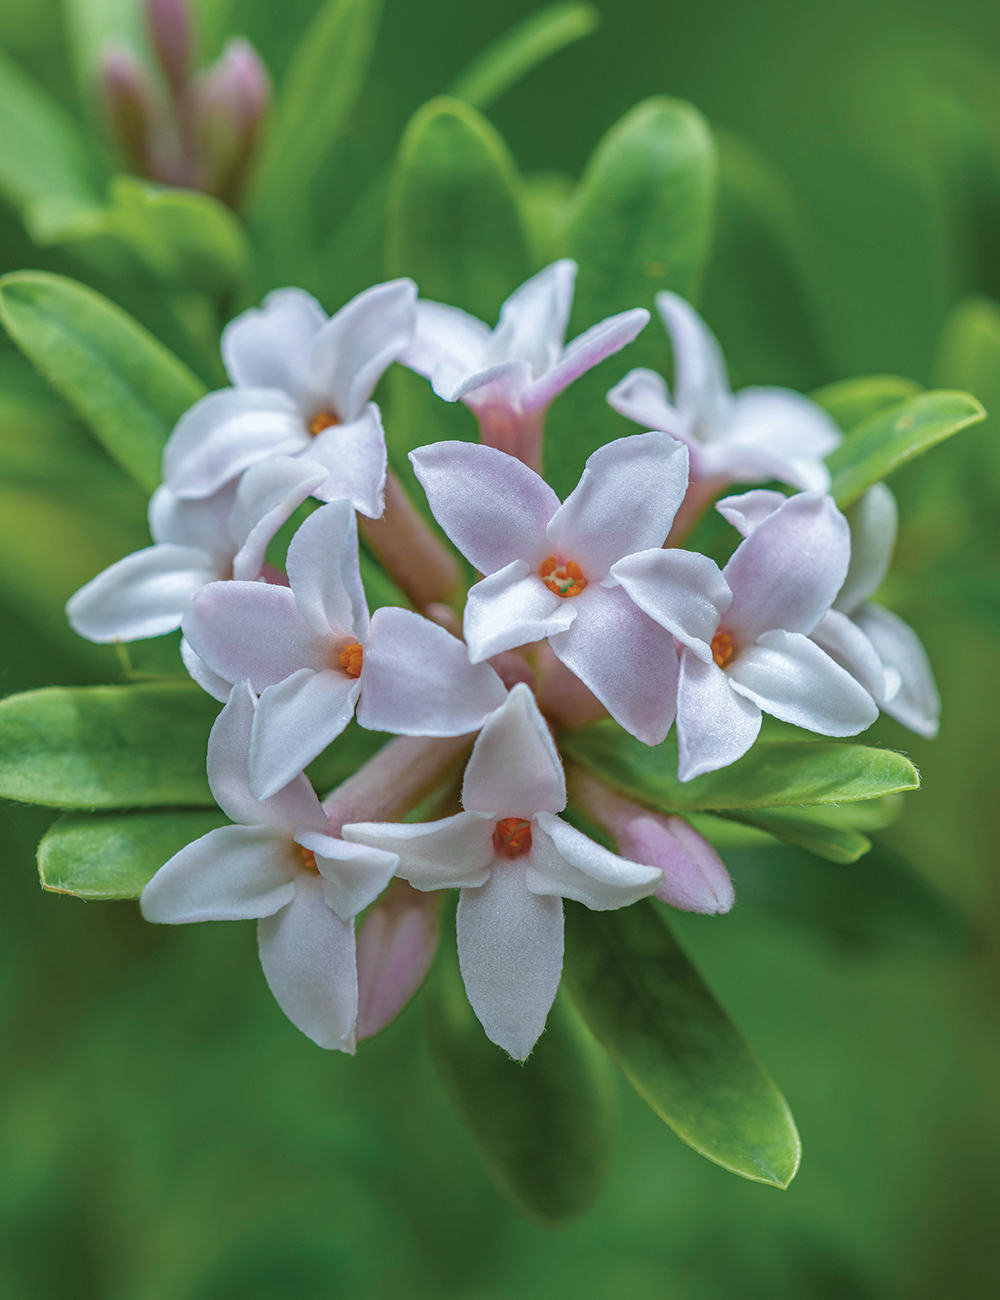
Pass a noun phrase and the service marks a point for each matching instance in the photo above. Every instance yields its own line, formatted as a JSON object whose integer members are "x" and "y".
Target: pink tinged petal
{"x": 253, "y": 631}
{"x": 533, "y": 320}
{"x": 625, "y": 501}
{"x": 916, "y": 703}
{"x": 681, "y": 590}
{"x": 187, "y": 522}
{"x": 448, "y": 341}
{"x": 417, "y": 680}
{"x": 224, "y": 433}
{"x": 701, "y": 385}
{"x": 497, "y": 388}
{"x": 510, "y": 608}
{"x": 200, "y": 672}
{"x": 307, "y": 954}
{"x": 588, "y": 350}
{"x": 643, "y": 396}
{"x": 734, "y": 461}
{"x": 353, "y": 349}
{"x": 625, "y": 658}
{"x": 695, "y": 877}
{"x": 143, "y": 595}
{"x": 515, "y": 770}
{"x": 492, "y": 507}
{"x": 510, "y": 949}
{"x": 715, "y": 725}
{"x": 235, "y": 873}
{"x": 787, "y": 675}
{"x": 844, "y": 642}
{"x": 355, "y": 874}
{"x": 749, "y": 509}
{"x": 268, "y": 495}
{"x": 873, "y": 520}
{"x": 784, "y": 422}
{"x": 268, "y": 347}
{"x": 566, "y": 863}
{"x": 322, "y": 565}
{"x": 295, "y": 721}
{"x": 355, "y": 460}
{"x": 448, "y": 854}
{"x": 396, "y": 945}
{"x": 788, "y": 571}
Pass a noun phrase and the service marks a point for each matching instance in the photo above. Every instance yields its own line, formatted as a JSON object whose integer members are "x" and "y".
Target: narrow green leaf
{"x": 544, "y": 1128}
{"x": 115, "y": 855}
{"x": 853, "y": 402}
{"x": 128, "y": 387}
{"x": 107, "y": 746}
{"x": 529, "y": 43}
{"x": 969, "y": 359}
{"x": 650, "y": 1009}
{"x": 840, "y": 844}
{"x": 769, "y": 776}
{"x": 894, "y": 437}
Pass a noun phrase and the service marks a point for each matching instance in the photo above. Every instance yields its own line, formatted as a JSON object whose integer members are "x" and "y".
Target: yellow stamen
{"x": 324, "y": 420}
{"x": 562, "y": 577}
{"x": 309, "y": 858}
{"x": 512, "y": 837}
{"x": 722, "y": 648}
{"x": 351, "y": 658}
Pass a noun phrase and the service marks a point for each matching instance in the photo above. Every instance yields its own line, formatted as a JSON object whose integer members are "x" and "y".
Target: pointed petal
{"x": 296, "y": 719}
{"x": 749, "y": 509}
{"x": 269, "y": 493}
{"x": 491, "y": 506}
{"x": 588, "y": 350}
{"x": 643, "y": 396}
{"x": 268, "y": 346}
{"x": 499, "y": 387}
{"x": 510, "y": 949}
{"x": 354, "y": 458}
{"x": 447, "y": 854}
{"x": 511, "y": 608}
{"x": 322, "y": 566}
{"x": 355, "y": 874}
{"x": 235, "y": 873}
{"x": 307, "y": 954}
{"x": 202, "y": 522}
{"x": 625, "y": 501}
{"x": 625, "y": 658}
{"x": 417, "y": 680}
{"x": 701, "y": 385}
{"x": 681, "y": 590}
{"x": 715, "y": 725}
{"x": 787, "y": 675}
{"x": 515, "y": 769}
{"x": 916, "y": 704}
{"x": 143, "y": 595}
{"x": 447, "y": 340}
{"x": 533, "y": 320}
{"x": 731, "y": 460}
{"x": 844, "y": 642}
{"x": 873, "y": 521}
{"x": 566, "y": 863}
{"x": 200, "y": 672}
{"x": 353, "y": 349}
{"x": 784, "y": 423}
{"x": 695, "y": 878}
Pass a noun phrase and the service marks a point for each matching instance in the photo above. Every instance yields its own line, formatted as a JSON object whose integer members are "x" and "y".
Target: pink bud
{"x": 561, "y": 695}
{"x": 396, "y": 946}
{"x": 170, "y": 27}
{"x": 128, "y": 101}
{"x": 228, "y": 104}
{"x": 695, "y": 877}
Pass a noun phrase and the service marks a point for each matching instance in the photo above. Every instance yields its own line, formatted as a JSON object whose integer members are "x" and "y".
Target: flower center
{"x": 322, "y": 420}
{"x": 722, "y": 648}
{"x": 308, "y": 857}
{"x": 351, "y": 658}
{"x": 563, "y": 577}
{"x": 512, "y": 837}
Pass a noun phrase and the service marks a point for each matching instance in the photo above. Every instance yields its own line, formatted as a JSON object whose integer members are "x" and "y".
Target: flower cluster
{"x": 582, "y": 608}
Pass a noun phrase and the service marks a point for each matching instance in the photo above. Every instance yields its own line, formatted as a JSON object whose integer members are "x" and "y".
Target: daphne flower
{"x": 310, "y": 653}
{"x": 745, "y": 632}
{"x": 549, "y": 567}
{"x": 280, "y": 864}
{"x": 747, "y": 437}
{"x": 508, "y": 376}
{"x": 195, "y": 542}
{"x": 302, "y": 384}
{"x": 514, "y": 859}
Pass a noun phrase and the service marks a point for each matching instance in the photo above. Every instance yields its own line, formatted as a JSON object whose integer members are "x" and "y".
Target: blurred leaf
{"x": 106, "y": 746}
{"x": 835, "y": 843}
{"x": 529, "y": 43}
{"x": 770, "y": 775}
{"x": 91, "y": 25}
{"x": 545, "y": 200}
{"x": 128, "y": 387}
{"x": 896, "y": 436}
{"x": 649, "y": 1007}
{"x": 852, "y": 402}
{"x": 115, "y": 855}
{"x": 544, "y": 1127}
{"x": 969, "y": 358}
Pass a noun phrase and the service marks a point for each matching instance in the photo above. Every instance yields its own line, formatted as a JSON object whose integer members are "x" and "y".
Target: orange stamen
{"x": 309, "y": 858}
{"x": 722, "y": 648}
{"x": 512, "y": 837}
{"x": 323, "y": 420}
{"x": 562, "y": 577}
{"x": 351, "y": 658}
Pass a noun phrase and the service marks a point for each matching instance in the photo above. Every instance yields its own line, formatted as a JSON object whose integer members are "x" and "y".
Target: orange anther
{"x": 722, "y": 648}
{"x": 562, "y": 577}
{"x": 309, "y": 858}
{"x": 321, "y": 421}
{"x": 512, "y": 837}
{"x": 351, "y": 658}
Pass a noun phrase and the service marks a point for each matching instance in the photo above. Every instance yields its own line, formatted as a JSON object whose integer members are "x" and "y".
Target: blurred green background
{"x": 166, "y": 1133}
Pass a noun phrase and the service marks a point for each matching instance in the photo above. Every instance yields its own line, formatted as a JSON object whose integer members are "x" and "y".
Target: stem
{"x": 517, "y": 434}
{"x": 561, "y": 695}
{"x": 416, "y": 560}
{"x": 394, "y": 780}
{"x": 699, "y": 496}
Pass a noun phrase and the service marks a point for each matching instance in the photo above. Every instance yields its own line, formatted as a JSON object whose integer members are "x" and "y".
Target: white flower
{"x": 302, "y": 384}
{"x": 550, "y": 567}
{"x": 748, "y": 437}
{"x": 281, "y": 864}
{"x": 514, "y": 860}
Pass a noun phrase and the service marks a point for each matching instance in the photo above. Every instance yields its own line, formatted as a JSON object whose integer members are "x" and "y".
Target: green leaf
{"x": 92, "y": 25}
{"x": 544, "y": 1128}
{"x": 115, "y": 855}
{"x": 128, "y": 387}
{"x": 107, "y": 746}
{"x": 840, "y": 844}
{"x": 853, "y": 402}
{"x": 527, "y": 44}
{"x": 894, "y": 437}
{"x": 769, "y": 776}
{"x": 649, "y": 1007}
{"x": 969, "y": 358}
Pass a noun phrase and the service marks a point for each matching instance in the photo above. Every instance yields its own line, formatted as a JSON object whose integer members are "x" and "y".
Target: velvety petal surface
{"x": 916, "y": 704}
{"x": 235, "y": 873}
{"x": 515, "y": 770}
{"x": 701, "y": 385}
{"x": 643, "y": 396}
{"x": 447, "y": 341}
{"x": 354, "y": 874}
{"x": 268, "y": 494}
{"x": 350, "y": 353}
{"x": 681, "y": 590}
{"x": 354, "y": 458}
{"x": 873, "y": 521}
{"x": 295, "y": 721}
{"x": 715, "y": 725}
{"x": 447, "y": 854}
{"x": 200, "y": 672}
{"x": 322, "y": 566}
{"x": 268, "y": 346}
{"x": 586, "y": 351}
{"x": 203, "y": 522}
{"x": 512, "y": 608}
{"x": 533, "y": 320}
{"x": 749, "y": 509}
{"x": 845, "y": 642}
{"x": 565, "y": 862}
{"x": 144, "y": 595}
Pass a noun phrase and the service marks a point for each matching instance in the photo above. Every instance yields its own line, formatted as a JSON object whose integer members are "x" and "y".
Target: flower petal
{"x": 499, "y": 387}
{"x": 353, "y": 349}
{"x": 515, "y": 769}
{"x": 715, "y": 725}
{"x": 566, "y": 863}
{"x": 701, "y": 385}
{"x": 533, "y": 320}
{"x": 269, "y": 493}
{"x": 235, "y": 873}
{"x": 681, "y": 590}
{"x": 786, "y": 424}
{"x": 322, "y": 567}
{"x": 787, "y": 675}
{"x": 200, "y": 672}
{"x": 447, "y": 341}
{"x": 144, "y": 595}
{"x": 510, "y": 608}
{"x": 354, "y": 458}
{"x": 586, "y": 351}
{"x": 491, "y": 506}
{"x": 510, "y": 949}
{"x": 295, "y": 721}
{"x": 916, "y": 704}
{"x": 447, "y": 854}
{"x": 355, "y": 874}
{"x": 201, "y": 522}
{"x": 643, "y": 396}
{"x": 307, "y": 954}
{"x": 626, "y": 659}
{"x": 268, "y": 346}
{"x": 749, "y": 509}
{"x": 873, "y": 520}
{"x": 844, "y": 642}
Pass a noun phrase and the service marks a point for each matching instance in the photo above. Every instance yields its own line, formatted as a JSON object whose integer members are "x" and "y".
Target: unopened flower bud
{"x": 230, "y": 101}
{"x": 170, "y": 29}
{"x": 129, "y": 104}
{"x": 396, "y": 946}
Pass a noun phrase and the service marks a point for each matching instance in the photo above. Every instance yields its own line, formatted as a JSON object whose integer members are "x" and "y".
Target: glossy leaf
{"x": 107, "y": 746}
{"x": 769, "y": 776}
{"x": 544, "y": 1128}
{"x": 115, "y": 855}
{"x": 649, "y": 1007}
{"x": 840, "y": 844}
{"x": 128, "y": 387}
{"x": 853, "y": 402}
